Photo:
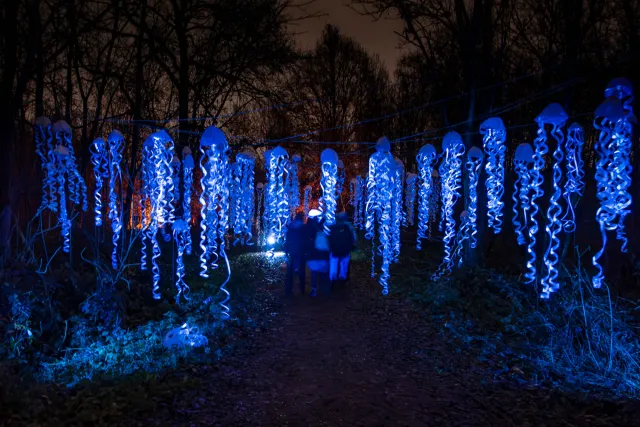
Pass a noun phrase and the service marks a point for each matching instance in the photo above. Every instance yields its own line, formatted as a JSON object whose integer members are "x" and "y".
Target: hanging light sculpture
{"x": 116, "y": 145}
{"x": 340, "y": 180}
{"x": 307, "y": 199}
{"x": 574, "y": 184}
{"x": 410, "y": 194}
{"x": 451, "y": 178}
{"x": 61, "y": 172}
{"x": 426, "y": 158}
{"x": 294, "y": 189}
{"x": 215, "y": 200}
{"x": 397, "y": 215}
{"x": 329, "y": 167}
{"x": 260, "y": 196}
{"x": 556, "y": 117}
{"x": 380, "y": 187}
{"x": 77, "y": 187}
{"x": 157, "y": 153}
{"x": 44, "y": 149}
{"x": 521, "y": 189}
{"x": 473, "y": 164}
{"x": 181, "y": 232}
{"x": 276, "y": 206}
{"x": 187, "y": 181}
{"x": 612, "y": 172}
{"x": 464, "y": 233}
{"x": 242, "y": 226}
{"x": 99, "y": 160}
{"x": 494, "y": 137}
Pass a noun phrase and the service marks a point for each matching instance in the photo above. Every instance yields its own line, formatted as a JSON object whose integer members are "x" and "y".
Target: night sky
{"x": 376, "y": 37}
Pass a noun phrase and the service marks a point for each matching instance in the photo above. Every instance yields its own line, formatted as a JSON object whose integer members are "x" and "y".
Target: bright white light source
{"x": 271, "y": 239}
{"x": 277, "y": 254}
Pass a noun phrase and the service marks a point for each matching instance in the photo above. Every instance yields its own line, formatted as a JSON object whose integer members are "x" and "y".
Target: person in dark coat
{"x": 342, "y": 239}
{"x": 318, "y": 255}
{"x": 295, "y": 246}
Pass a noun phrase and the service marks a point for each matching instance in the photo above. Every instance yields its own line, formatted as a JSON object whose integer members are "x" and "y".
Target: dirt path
{"x": 357, "y": 359}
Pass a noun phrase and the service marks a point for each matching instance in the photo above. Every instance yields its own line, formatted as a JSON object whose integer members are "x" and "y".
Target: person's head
{"x": 342, "y": 217}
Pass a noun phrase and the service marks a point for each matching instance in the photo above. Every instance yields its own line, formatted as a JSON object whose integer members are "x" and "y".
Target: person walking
{"x": 342, "y": 239}
{"x": 295, "y": 247}
{"x": 318, "y": 257}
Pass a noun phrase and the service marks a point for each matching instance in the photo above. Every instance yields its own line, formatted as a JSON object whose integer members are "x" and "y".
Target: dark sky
{"x": 376, "y": 37}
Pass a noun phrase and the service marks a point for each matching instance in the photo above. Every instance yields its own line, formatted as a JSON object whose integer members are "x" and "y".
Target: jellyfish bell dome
{"x": 475, "y": 153}
{"x": 553, "y": 114}
{"x": 188, "y": 161}
{"x": 427, "y": 150}
{"x": 308, "y": 187}
{"x": 245, "y": 156}
{"x": 186, "y": 151}
{"x": 524, "y": 153}
{"x": 464, "y": 215}
{"x": 411, "y": 177}
{"x": 329, "y": 156}
{"x": 259, "y": 186}
{"x": 115, "y": 135}
{"x": 296, "y": 158}
{"x": 452, "y": 140}
{"x": 619, "y": 87}
{"x": 279, "y": 152}
{"x": 43, "y": 121}
{"x": 175, "y": 161}
{"x": 61, "y": 126}
{"x": 492, "y": 123}
{"x": 62, "y": 151}
{"x": 383, "y": 145}
{"x": 435, "y": 173}
{"x": 611, "y": 109}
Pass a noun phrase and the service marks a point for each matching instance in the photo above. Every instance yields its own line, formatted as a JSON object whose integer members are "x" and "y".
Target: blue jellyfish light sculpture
{"x": 340, "y": 180}
{"x": 494, "y": 137}
{"x": 397, "y": 214}
{"x": 181, "y": 233}
{"x": 612, "y": 169}
{"x": 77, "y": 187}
{"x": 116, "y": 145}
{"x": 157, "y": 153}
{"x": 215, "y": 200}
{"x": 61, "y": 171}
{"x": 243, "y": 220}
{"x": 557, "y": 118}
{"x": 464, "y": 234}
{"x": 379, "y": 208}
{"x": 43, "y": 137}
{"x": 307, "y": 199}
{"x": 360, "y": 200}
{"x": 521, "y": 190}
{"x": 187, "y": 181}
{"x": 622, "y": 89}
{"x": 328, "y": 183}
{"x": 473, "y": 164}
{"x": 276, "y": 203}
{"x": 260, "y": 197}
{"x": 574, "y": 184}
{"x": 294, "y": 188}
{"x": 410, "y": 198}
{"x": 434, "y": 199}
{"x": 427, "y": 159}
{"x": 451, "y": 177}
{"x": 176, "y": 168}
{"x": 100, "y": 162}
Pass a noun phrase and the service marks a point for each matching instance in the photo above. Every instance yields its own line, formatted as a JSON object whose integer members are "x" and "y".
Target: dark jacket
{"x": 297, "y": 238}
{"x": 341, "y": 239}
{"x": 313, "y": 227}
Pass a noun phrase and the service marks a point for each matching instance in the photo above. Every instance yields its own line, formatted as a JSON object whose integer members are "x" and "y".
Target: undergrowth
{"x": 582, "y": 337}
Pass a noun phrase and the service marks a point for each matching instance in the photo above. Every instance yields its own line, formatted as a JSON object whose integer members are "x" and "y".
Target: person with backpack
{"x": 318, "y": 254}
{"x": 295, "y": 246}
{"x": 342, "y": 240}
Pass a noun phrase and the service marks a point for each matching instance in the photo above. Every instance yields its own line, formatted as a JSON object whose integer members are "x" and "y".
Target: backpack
{"x": 341, "y": 240}
{"x": 321, "y": 244}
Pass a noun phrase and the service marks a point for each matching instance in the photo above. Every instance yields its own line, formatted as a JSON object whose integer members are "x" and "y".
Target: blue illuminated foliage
{"x": 116, "y": 145}
{"x": 244, "y": 204}
{"x": 276, "y": 201}
{"x": 100, "y": 162}
{"x": 451, "y": 178}
{"x": 410, "y": 198}
{"x": 380, "y": 187}
{"x": 157, "y": 154}
{"x": 329, "y": 167}
{"x": 473, "y": 164}
{"x": 521, "y": 190}
{"x": 427, "y": 159}
{"x": 494, "y": 139}
{"x": 215, "y": 200}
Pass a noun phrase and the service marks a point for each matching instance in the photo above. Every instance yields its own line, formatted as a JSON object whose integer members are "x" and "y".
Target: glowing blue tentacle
{"x": 307, "y": 200}
{"x": 540, "y": 149}
{"x": 473, "y": 167}
{"x": 328, "y": 184}
{"x": 517, "y": 188}
{"x": 97, "y": 160}
{"x": 203, "y": 223}
{"x": 64, "y": 219}
{"x": 115, "y": 152}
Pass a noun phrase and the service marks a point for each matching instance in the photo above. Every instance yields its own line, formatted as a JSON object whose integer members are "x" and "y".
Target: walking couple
{"x": 327, "y": 256}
